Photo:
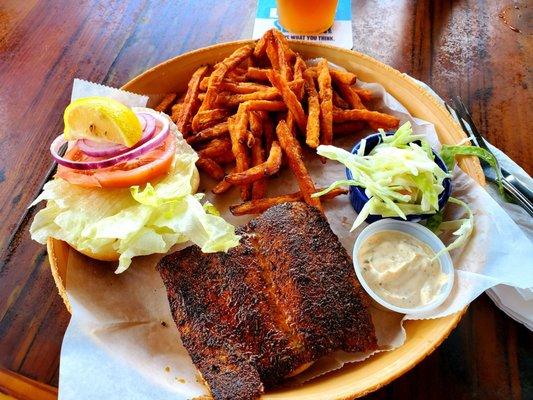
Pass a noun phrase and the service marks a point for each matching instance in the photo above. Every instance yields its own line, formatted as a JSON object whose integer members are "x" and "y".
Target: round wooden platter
{"x": 353, "y": 380}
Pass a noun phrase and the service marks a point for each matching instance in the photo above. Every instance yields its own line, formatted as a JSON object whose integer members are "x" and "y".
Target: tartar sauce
{"x": 399, "y": 268}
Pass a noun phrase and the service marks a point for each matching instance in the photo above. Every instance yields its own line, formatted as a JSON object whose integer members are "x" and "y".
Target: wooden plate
{"x": 422, "y": 336}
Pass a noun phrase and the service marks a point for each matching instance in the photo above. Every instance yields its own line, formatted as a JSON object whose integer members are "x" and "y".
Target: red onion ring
{"x": 142, "y": 120}
{"x": 155, "y": 141}
{"x": 101, "y": 149}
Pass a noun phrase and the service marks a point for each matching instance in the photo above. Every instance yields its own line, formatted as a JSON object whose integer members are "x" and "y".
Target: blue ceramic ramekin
{"x": 358, "y": 198}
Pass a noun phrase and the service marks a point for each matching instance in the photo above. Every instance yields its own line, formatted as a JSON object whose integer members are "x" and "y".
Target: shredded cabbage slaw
{"x": 401, "y": 178}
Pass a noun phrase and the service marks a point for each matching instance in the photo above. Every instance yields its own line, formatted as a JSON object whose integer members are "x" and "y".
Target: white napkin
{"x": 515, "y": 302}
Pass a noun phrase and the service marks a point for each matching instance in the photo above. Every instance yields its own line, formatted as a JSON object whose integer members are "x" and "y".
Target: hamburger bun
{"x": 108, "y": 255}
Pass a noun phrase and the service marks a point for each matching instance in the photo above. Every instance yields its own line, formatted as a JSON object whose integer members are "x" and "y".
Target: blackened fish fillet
{"x": 284, "y": 297}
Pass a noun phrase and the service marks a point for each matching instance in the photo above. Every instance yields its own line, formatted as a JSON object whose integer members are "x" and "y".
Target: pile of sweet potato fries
{"x": 252, "y": 110}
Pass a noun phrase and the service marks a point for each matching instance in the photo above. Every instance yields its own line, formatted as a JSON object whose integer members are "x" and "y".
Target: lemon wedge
{"x": 101, "y": 119}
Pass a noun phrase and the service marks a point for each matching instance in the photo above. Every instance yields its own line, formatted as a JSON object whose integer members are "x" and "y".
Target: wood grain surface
{"x": 458, "y": 47}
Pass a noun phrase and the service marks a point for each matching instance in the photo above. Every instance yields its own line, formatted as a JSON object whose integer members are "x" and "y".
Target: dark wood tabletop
{"x": 480, "y": 50}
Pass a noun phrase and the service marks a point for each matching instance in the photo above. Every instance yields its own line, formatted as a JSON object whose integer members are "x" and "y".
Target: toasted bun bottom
{"x": 110, "y": 255}
{"x": 195, "y": 180}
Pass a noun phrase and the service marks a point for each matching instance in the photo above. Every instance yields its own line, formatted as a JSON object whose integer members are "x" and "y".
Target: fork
{"x": 515, "y": 188}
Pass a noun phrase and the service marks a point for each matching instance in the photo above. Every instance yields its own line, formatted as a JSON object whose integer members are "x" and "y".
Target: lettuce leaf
{"x": 134, "y": 221}
{"x": 434, "y": 221}
{"x": 449, "y": 152}
{"x": 463, "y": 227}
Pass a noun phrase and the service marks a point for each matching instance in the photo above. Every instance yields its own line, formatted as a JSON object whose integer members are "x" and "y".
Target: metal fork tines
{"x": 515, "y": 188}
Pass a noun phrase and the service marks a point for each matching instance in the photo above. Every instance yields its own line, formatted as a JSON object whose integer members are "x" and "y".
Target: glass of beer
{"x": 306, "y": 16}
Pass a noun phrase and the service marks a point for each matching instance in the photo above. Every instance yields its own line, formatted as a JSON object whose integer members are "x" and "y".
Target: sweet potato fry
{"x": 233, "y": 100}
{"x": 175, "y": 111}
{"x": 259, "y": 187}
{"x": 326, "y": 103}
{"x": 338, "y": 101}
{"x": 208, "y": 118}
{"x": 265, "y": 105}
{"x": 312, "y": 136}
{"x": 242, "y": 67}
{"x": 222, "y": 187}
{"x": 215, "y": 148}
{"x": 237, "y": 129}
{"x": 191, "y": 102}
{"x": 224, "y": 158}
{"x": 348, "y": 128}
{"x": 260, "y": 205}
{"x": 240, "y": 123}
{"x": 257, "y": 74}
{"x": 239, "y": 69}
{"x": 312, "y": 71}
{"x": 285, "y": 69}
{"x": 272, "y": 53}
{"x": 211, "y": 168}
{"x": 166, "y": 102}
{"x": 230, "y": 63}
{"x": 285, "y": 55}
{"x": 352, "y": 98}
{"x": 299, "y": 68}
{"x": 284, "y": 45}
{"x": 381, "y": 120}
{"x": 213, "y": 132}
{"x": 364, "y": 94}
{"x": 256, "y": 123}
{"x": 289, "y": 119}
{"x": 218, "y": 76}
{"x": 233, "y": 76}
{"x": 344, "y": 77}
{"x": 249, "y": 93}
{"x": 337, "y": 75}
{"x": 261, "y": 44}
{"x": 243, "y": 87}
{"x": 263, "y": 170}
{"x": 293, "y": 151}
{"x": 268, "y": 130}
{"x": 289, "y": 98}
{"x": 204, "y": 83}
{"x": 236, "y": 87}
{"x": 297, "y": 86}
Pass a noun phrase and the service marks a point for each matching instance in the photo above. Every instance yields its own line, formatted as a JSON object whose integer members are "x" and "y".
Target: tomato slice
{"x": 138, "y": 171}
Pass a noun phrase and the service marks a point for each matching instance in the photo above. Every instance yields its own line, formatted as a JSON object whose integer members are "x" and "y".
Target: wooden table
{"x": 458, "y": 47}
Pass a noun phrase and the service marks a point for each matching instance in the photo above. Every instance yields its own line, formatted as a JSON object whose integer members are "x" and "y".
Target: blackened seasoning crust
{"x": 285, "y": 296}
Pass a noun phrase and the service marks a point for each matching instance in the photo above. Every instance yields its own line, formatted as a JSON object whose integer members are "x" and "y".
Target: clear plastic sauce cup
{"x": 421, "y": 233}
